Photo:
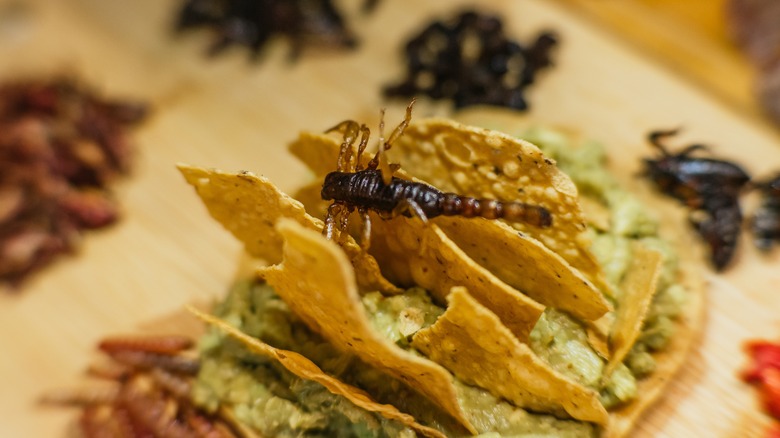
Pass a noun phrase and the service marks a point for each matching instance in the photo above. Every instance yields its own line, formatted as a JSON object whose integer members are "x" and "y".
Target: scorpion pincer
{"x": 373, "y": 188}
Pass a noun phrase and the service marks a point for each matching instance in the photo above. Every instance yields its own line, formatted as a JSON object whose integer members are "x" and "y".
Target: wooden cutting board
{"x": 238, "y": 115}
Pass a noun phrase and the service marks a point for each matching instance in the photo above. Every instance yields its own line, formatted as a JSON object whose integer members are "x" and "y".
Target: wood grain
{"x": 690, "y": 38}
{"x": 235, "y": 115}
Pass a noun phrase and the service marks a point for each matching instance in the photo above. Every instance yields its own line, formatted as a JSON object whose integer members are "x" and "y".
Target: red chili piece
{"x": 764, "y": 372}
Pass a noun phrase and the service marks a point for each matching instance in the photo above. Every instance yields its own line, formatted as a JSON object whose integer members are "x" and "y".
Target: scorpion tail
{"x": 491, "y": 209}
{"x": 531, "y": 214}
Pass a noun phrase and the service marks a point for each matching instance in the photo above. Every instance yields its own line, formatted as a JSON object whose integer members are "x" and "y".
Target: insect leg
{"x": 362, "y": 146}
{"x": 380, "y": 159}
{"x": 365, "y": 241}
{"x": 689, "y": 149}
{"x": 329, "y": 227}
{"x": 344, "y": 223}
{"x": 656, "y": 137}
{"x": 407, "y": 207}
{"x": 350, "y": 128}
{"x": 410, "y": 208}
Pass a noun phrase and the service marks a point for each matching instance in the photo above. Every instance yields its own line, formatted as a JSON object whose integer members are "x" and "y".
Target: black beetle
{"x": 709, "y": 186}
{"x": 766, "y": 222}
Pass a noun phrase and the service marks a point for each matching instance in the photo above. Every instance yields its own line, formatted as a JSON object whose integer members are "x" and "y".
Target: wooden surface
{"x": 233, "y": 114}
{"x": 691, "y": 39}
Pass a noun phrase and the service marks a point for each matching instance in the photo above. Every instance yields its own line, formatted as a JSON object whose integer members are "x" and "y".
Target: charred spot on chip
{"x": 471, "y": 61}
{"x": 709, "y": 186}
{"x": 252, "y": 23}
{"x": 61, "y": 146}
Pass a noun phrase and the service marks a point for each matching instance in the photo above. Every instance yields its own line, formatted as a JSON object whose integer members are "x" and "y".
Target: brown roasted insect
{"x": 149, "y": 395}
{"x": 373, "y": 188}
{"x": 709, "y": 186}
{"x": 766, "y": 222}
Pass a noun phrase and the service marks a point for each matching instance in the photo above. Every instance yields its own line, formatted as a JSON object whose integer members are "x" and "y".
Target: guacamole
{"x": 267, "y": 398}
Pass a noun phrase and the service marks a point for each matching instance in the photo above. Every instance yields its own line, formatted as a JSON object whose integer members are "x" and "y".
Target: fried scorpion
{"x": 373, "y": 188}
{"x": 708, "y": 186}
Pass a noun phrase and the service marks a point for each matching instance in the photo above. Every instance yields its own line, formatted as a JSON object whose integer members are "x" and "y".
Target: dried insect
{"x": 472, "y": 62}
{"x": 151, "y": 344}
{"x": 61, "y": 147}
{"x": 151, "y": 398}
{"x": 253, "y": 22}
{"x": 373, "y": 188}
{"x": 709, "y": 186}
{"x": 766, "y": 222}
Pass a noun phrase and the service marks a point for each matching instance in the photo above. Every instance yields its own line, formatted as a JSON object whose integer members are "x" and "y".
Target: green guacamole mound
{"x": 629, "y": 221}
{"x": 262, "y": 394}
{"x": 269, "y": 399}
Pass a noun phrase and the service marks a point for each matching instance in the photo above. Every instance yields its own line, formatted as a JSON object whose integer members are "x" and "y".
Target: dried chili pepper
{"x": 149, "y": 399}
{"x": 764, "y": 373}
{"x": 766, "y": 221}
{"x": 252, "y": 23}
{"x": 710, "y": 187}
{"x": 60, "y": 146}
{"x": 471, "y": 61}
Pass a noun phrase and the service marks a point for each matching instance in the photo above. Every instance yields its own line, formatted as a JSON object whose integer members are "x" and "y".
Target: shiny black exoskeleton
{"x": 252, "y": 23}
{"x": 709, "y": 186}
{"x": 367, "y": 189}
{"x": 766, "y": 222}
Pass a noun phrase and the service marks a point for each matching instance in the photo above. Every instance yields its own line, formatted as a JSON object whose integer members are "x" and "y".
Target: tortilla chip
{"x": 488, "y": 164}
{"x": 638, "y": 287}
{"x": 248, "y": 206}
{"x": 689, "y": 326}
{"x": 319, "y": 152}
{"x": 317, "y": 282}
{"x": 306, "y": 369}
{"x": 412, "y": 253}
{"x": 471, "y": 342}
{"x": 526, "y": 265}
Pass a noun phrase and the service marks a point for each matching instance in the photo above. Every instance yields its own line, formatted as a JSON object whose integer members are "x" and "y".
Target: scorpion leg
{"x": 380, "y": 159}
{"x": 656, "y": 137}
{"x": 343, "y": 223}
{"x": 365, "y": 240}
{"x": 410, "y": 208}
{"x": 362, "y": 146}
{"x": 350, "y": 128}
{"x": 689, "y": 149}
{"x": 334, "y": 212}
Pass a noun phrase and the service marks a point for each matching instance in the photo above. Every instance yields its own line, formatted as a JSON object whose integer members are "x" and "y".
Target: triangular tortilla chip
{"x": 248, "y": 206}
{"x": 526, "y": 265}
{"x": 488, "y": 164}
{"x": 471, "y": 342}
{"x": 416, "y": 254}
{"x": 306, "y": 369}
{"x": 638, "y": 287}
{"x": 317, "y": 282}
